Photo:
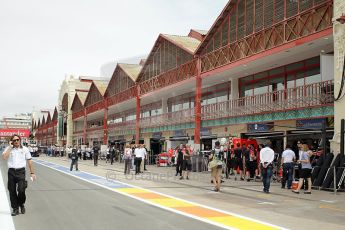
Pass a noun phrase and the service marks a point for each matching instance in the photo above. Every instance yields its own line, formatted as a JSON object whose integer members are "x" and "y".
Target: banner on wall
{"x": 315, "y": 123}
{"x": 261, "y": 127}
{"x": 10, "y": 132}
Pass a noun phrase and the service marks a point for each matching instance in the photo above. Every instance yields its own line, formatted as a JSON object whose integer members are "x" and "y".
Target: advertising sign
{"x": 10, "y": 132}
{"x": 261, "y": 127}
{"x": 315, "y": 123}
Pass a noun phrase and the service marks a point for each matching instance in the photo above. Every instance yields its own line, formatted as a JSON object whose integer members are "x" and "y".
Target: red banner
{"x": 10, "y": 132}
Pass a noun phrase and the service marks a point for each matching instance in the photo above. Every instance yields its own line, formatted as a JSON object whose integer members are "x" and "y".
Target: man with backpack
{"x": 216, "y": 165}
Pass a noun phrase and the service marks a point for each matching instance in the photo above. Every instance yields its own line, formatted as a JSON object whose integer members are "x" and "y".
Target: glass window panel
{"x": 279, "y": 10}
{"x": 276, "y": 71}
{"x": 211, "y": 100}
{"x": 291, "y": 8}
{"x": 294, "y": 66}
{"x": 260, "y": 90}
{"x": 313, "y": 79}
{"x": 260, "y": 75}
{"x": 217, "y": 41}
{"x": 233, "y": 25}
{"x": 225, "y": 30}
{"x": 305, "y": 4}
{"x": 240, "y": 19}
{"x": 245, "y": 80}
{"x": 269, "y": 9}
{"x": 258, "y": 15}
{"x": 249, "y": 16}
{"x": 246, "y": 91}
{"x": 313, "y": 61}
{"x": 222, "y": 98}
{"x": 299, "y": 79}
{"x": 290, "y": 81}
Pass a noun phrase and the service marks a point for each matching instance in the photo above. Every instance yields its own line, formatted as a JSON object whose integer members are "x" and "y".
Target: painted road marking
{"x": 328, "y": 201}
{"x": 5, "y": 211}
{"x": 193, "y": 210}
{"x": 332, "y": 207}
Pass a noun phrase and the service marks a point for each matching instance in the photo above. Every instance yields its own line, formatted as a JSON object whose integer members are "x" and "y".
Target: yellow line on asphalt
{"x": 330, "y": 207}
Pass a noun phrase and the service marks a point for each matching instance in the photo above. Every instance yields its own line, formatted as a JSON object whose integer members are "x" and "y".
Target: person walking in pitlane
{"x": 16, "y": 156}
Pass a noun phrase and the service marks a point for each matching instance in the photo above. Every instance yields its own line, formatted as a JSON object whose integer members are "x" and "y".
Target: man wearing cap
{"x": 16, "y": 156}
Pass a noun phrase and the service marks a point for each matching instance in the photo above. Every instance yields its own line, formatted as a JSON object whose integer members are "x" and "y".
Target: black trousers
{"x": 137, "y": 162}
{"x": 179, "y": 167}
{"x": 95, "y": 159}
{"x": 16, "y": 186}
{"x": 74, "y": 162}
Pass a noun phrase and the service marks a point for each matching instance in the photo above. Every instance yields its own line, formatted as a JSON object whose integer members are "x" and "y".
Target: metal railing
{"x": 182, "y": 116}
{"x": 312, "y": 95}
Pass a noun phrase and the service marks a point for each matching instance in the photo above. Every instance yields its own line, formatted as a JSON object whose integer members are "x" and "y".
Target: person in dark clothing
{"x": 238, "y": 160}
{"x": 112, "y": 155}
{"x": 250, "y": 159}
{"x": 74, "y": 158}
{"x": 95, "y": 154}
{"x": 179, "y": 160}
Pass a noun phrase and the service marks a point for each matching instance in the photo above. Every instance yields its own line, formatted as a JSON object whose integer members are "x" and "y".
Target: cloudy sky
{"x": 43, "y": 40}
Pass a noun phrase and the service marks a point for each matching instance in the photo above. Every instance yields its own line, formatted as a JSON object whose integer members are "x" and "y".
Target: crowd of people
{"x": 246, "y": 161}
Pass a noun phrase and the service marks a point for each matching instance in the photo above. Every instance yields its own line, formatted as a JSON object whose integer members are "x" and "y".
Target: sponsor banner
{"x": 157, "y": 135}
{"x": 10, "y": 132}
{"x": 311, "y": 123}
{"x": 205, "y": 131}
{"x": 262, "y": 127}
{"x": 179, "y": 133}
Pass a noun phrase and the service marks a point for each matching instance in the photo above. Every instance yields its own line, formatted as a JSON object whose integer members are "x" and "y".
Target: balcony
{"x": 313, "y": 95}
{"x": 178, "y": 117}
{"x": 123, "y": 125}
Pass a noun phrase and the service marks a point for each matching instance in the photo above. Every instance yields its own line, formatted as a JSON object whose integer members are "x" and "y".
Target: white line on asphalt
{"x": 161, "y": 206}
{"x": 328, "y": 201}
{"x": 270, "y": 203}
{"x": 5, "y": 211}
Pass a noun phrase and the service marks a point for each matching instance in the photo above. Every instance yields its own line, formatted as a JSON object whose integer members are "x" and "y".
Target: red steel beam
{"x": 137, "y": 112}
{"x": 198, "y": 103}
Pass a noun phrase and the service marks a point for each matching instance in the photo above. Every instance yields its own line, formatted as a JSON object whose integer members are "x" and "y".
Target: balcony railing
{"x": 94, "y": 128}
{"x": 123, "y": 125}
{"x": 312, "y": 95}
{"x": 178, "y": 117}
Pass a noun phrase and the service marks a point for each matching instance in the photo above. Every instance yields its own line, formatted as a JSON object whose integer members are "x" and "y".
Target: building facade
{"x": 263, "y": 70}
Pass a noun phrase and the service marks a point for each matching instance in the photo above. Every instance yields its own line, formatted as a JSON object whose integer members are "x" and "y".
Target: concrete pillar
{"x": 164, "y": 105}
{"x": 234, "y": 89}
{"x": 339, "y": 51}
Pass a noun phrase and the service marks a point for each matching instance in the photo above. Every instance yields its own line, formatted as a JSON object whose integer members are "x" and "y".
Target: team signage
{"x": 10, "y": 132}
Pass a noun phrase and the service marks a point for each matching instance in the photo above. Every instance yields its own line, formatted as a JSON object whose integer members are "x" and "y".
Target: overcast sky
{"x": 41, "y": 41}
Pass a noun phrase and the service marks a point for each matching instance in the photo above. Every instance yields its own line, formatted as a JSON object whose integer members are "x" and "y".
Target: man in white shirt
{"x": 288, "y": 158}
{"x": 16, "y": 156}
{"x": 266, "y": 159}
{"x": 138, "y": 158}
